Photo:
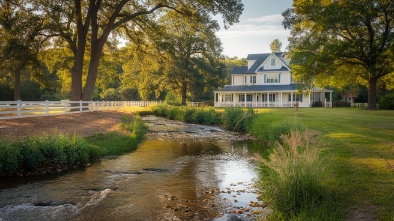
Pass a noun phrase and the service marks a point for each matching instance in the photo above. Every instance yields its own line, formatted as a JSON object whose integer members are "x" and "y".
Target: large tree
{"x": 20, "y": 41}
{"x": 87, "y": 25}
{"x": 345, "y": 40}
{"x": 183, "y": 56}
{"x": 192, "y": 53}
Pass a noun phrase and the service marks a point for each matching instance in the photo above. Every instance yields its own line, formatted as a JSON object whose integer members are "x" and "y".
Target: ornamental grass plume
{"x": 291, "y": 177}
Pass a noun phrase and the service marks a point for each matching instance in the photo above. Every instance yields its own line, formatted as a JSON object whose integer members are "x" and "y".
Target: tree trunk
{"x": 92, "y": 76}
{"x": 183, "y": 93}
{"x": 76, "y": 72}
{"x": 372, "y": 94}
{"x": 17, "y": 84}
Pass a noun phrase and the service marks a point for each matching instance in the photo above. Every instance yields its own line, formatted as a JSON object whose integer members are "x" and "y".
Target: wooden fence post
{"x": 65, "y": 107}
{"x": 80, "y": 106}
{"x": 46, "y": 108}
{"x": 19, "y": 108}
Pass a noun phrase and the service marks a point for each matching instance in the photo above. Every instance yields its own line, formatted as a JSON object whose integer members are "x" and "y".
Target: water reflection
{"x": 161, "y": 180}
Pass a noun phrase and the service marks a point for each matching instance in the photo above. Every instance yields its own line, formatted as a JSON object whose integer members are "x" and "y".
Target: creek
{"x": 181, "y": 172}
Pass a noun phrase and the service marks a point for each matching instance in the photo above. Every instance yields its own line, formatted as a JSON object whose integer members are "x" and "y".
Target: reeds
{"x": 291, "y": 177}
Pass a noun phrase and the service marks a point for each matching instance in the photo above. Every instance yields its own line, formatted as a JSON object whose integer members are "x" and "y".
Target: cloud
{"x": 250, "y": 30}
{"x": 277, "y": 18}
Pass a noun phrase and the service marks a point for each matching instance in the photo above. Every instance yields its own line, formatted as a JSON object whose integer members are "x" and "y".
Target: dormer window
{"x": 272, "y": 78}
{"x": 272, "y": 61}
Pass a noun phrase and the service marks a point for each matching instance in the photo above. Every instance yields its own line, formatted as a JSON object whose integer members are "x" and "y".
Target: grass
{"x": 359, "y": 155}
{"x": 56, "y": 152}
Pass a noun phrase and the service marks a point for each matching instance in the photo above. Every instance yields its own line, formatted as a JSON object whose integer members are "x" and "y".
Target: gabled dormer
{"x": 262, "y": 69}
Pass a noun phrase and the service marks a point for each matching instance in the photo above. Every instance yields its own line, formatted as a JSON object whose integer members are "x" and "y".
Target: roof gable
{"x": 259, "y": 60}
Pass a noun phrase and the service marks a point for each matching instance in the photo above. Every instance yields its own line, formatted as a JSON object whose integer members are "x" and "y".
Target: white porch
{"x": 272, "y": 99}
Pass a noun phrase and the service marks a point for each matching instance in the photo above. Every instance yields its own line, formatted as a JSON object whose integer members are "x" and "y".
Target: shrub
{"x": 292, "y": 176}
{"x": 317, "y": 104}
{"x": 10, "y": 158}
{"x": 341, "y": 104}
{"x": 387, "y": 102}
{"x": 237, "y": 119}
{"x": 269, "y": 127}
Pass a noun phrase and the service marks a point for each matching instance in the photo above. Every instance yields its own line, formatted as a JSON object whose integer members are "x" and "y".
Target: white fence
{"x": 21, "y": 109}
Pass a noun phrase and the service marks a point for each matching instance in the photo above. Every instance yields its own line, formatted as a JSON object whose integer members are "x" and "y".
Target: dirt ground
{"x": 83, "y": 124}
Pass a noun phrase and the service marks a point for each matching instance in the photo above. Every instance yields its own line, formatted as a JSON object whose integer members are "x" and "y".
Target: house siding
{"x": 273, "y": 86}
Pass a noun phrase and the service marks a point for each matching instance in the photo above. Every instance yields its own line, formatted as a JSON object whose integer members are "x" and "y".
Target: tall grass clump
{"x": 116, "y": 143}
{"x": 292, "y": 179}
{"x": 37, "y": 154}
{"x": 268, "y": 127}
{"x": 208, "y": 116}
{"x": 56, "y": 152}
{"x": 238, "y": 120}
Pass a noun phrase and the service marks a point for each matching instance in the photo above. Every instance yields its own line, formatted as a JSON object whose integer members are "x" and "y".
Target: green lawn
{"x": 359, "y": 152}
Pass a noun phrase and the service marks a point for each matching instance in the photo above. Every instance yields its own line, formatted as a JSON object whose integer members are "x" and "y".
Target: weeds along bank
{"x": 291, "y": 175}
{"x": 51, "y": 154}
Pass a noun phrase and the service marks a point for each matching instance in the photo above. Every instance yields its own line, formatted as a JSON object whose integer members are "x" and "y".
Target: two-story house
{"x": 267, "y": 82}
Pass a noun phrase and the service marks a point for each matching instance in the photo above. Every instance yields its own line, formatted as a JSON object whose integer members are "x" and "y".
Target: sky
{"x": 259, "y": 24}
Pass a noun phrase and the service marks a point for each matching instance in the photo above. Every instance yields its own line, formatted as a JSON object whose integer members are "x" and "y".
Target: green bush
{"x": 268, "y": 127}
{"x": 10, "y": 158}
{"x": 317, "y": 104}
{"x": 387, "y": 101}
{"x": 341, "y": 104}
{"x": 40, "y": 153}
{"x": 292, "y": 177}
{"x": 236, "y": 119}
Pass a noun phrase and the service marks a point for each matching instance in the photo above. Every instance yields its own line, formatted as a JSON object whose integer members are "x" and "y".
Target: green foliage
{"x": 328, "y": 43}
{"x": 9, "y": 158}
{"x": 387, "y": 101}
{"x": 236, "y": 119}
{"x": 208, "y": 116}
{"x": 173, "y": 99}
{"x": 49, "y": 151}
{"x": 269, "y": 127}
{"x": 292, "y": 178}
{"x": 30, "y": 91}
{"x": 341, "y": 104}
{"x": 111, "y": 94}
{"x": 6, "y": 93}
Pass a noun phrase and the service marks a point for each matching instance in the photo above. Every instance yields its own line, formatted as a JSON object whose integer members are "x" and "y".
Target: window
{"x": 228, "y": 97}
{"x": 253, "y": 79}
{"x": 241, "y": 98}
{"x": 246, "y": 80}
{"x": 271, "y": 97}
{"x": 249, "y": 97}
{"x": 272, "y": 61}
{"x": 272, "y": 78}
{"x": 296, "y": 97}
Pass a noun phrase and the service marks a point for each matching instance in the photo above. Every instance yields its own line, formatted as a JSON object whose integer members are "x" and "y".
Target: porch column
{"x": 268, "y": 99}
{"x": 281, "y": 99}
{"x": 233, "y": 100}
{"x": 255, "y": 100}
{"x": 310, "y": 94}
{"x": 245, "y": 100}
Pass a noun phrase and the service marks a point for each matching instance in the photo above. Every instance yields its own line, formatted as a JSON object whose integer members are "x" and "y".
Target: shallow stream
{"x": 181, "y": 172}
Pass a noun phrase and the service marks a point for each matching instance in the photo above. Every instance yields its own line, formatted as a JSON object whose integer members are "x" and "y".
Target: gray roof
{"x": 288, "y": 87}
{"x": 239, "y": 70}
{"x": 259, "y": 59}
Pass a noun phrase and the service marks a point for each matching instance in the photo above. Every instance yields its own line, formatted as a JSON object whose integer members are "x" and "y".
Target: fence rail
{"x": 21, "y": 109}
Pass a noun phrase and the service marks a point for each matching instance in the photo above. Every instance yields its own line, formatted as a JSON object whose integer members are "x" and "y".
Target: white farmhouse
{"x": 267, "y": 82}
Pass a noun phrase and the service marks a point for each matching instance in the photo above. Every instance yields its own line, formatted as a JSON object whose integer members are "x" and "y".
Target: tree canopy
{"x": 344, "y": 40}
{"x": 276, "y": 45}
{"x": 88, "y": 25}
